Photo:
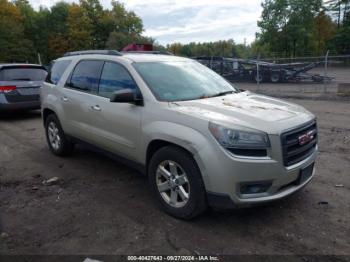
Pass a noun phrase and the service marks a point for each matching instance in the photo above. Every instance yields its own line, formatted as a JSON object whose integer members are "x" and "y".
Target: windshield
{"x": 22, "y": 74}
{"x": 185, "y": 80}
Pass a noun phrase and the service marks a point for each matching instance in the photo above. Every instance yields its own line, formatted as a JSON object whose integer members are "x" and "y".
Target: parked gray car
{"x": 200, "y": 140}
{"x": 20, "y": 86}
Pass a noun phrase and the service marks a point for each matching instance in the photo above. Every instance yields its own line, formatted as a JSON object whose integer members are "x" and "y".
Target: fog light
{"x": 255, "y": 187}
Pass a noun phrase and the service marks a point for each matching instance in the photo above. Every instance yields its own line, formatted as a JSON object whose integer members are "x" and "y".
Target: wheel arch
{"x": 46, "y": 112}
{"x": 157, "y": 144}
{"x": 163, "y": 133}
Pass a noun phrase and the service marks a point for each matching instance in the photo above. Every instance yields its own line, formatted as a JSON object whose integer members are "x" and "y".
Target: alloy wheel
{"x": 54, "y": 136}
{"x": 172, "y": 183}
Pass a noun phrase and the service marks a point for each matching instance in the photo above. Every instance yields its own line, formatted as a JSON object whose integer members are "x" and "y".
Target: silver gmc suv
{"x": 200, "y": 140}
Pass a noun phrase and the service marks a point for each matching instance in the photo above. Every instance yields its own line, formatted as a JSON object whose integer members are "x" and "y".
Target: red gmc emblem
{"x": 306, "y": 138}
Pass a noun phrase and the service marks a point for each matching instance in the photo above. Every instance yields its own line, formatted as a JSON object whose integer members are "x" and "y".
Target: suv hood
{"x": 248, "y": 110}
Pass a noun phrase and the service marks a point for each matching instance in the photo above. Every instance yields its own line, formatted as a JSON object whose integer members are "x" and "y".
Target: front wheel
{"x": 177, "y": 183}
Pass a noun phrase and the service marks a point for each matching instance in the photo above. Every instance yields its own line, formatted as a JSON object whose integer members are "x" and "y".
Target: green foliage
{"x": 300, "y": 27}
{"x": 81, "y": 30}
{"x": 341, "y": 41}
{"x": 25, "y": 32}
{"x": 338, "y": 9}
{"x": 227, "y": 48}
{"x": 126, "y": 27}
{"x": 57, "y": 18}
{"x": 286, "y": 25}
{"x": 287, "y": 28}
{"x": 13, "y": 44}
{"x": 323, "y": 32}
{"x": 92, "y": 13}
{"x": 118, "y": 40}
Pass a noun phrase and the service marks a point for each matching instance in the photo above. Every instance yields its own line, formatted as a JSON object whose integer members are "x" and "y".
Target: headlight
{"x": 239, "y": 139}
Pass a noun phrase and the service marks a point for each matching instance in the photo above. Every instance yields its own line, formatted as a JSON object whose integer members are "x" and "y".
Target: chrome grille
{"x": 299, "y": 143}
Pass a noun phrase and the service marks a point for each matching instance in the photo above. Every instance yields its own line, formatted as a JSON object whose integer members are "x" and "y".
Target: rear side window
{"x": 86, "y": 76}
{"x": 22, "y": 74}
{"x": 114, "y": 77}
{"x": 56, "y": 71}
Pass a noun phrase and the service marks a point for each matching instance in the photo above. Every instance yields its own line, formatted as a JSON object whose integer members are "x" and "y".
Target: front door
{"x": 116, "y": 126}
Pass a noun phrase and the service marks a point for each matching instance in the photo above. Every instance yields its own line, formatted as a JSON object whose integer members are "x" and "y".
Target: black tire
{"x": 196, "y": 203}
{"x": 275, "y": 77}
{"x": 65, "y": 146}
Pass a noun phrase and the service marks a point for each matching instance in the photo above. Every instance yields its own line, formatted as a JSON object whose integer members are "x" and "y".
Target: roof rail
{"x": 148, "y": 52}
{"x": 94, "y": 52}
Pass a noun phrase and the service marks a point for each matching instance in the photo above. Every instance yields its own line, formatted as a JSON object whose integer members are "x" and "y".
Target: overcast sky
{"x": 186, "y": 21}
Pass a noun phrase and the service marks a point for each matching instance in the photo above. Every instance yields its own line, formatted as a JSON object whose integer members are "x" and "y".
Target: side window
{"x": 86, "y": 76}
{"x": 56, "y": 70}
{"x": 114, "y": 77}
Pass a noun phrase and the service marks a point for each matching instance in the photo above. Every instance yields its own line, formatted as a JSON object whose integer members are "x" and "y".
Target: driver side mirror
{"x": 125, "y": 96}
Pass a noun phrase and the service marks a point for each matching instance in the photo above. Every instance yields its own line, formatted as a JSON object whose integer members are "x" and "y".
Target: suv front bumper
{"x": 225, "y": 175}
{"x": 224, "y": 201}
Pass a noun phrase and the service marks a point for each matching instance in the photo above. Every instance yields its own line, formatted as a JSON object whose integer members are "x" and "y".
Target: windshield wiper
{"x": 224, "y": 93}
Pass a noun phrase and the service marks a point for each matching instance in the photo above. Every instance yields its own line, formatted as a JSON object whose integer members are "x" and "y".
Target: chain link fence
{"x": 335, "y": 66}
{"x": 308, "y": 75}
{"x": 325, "y": 73}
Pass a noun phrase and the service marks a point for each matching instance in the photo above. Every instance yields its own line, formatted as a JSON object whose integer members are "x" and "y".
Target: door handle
{"x": 64, "y": 99}
{"x": 96, "y": 107}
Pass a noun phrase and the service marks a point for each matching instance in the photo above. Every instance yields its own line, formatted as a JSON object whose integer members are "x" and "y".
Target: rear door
{"x": 22, "y": 82}
{"x": 77, "y": 96}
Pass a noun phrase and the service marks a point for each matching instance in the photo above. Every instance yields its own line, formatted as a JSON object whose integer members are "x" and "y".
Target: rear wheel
{"x": 177, "y": 183}
{"x": 58, "y": 143}
{"x": 275, "y": 77}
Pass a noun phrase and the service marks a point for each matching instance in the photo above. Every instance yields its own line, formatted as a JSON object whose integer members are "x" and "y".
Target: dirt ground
{"x": 103, "y": 207}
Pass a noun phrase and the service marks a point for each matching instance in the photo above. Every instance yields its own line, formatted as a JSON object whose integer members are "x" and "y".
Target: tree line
{"x": 291, "y": 28}
{"x": 288, "y": 28}
{"x": 226, "y": 48}
{"x": 25, "y": 32}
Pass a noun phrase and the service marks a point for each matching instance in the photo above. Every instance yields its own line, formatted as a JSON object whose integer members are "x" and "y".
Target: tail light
{"x": 7, "y": 89}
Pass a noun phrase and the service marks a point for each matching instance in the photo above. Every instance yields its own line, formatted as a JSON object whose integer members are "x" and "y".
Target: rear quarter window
{"x": 56, "y": 71}
{"x": 23, "y": 74}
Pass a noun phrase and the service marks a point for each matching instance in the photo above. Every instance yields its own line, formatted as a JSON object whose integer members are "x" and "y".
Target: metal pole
{"x": 325, "y": 72}
{"x": 39, "y": 59}
{"x": 257, "y": 71}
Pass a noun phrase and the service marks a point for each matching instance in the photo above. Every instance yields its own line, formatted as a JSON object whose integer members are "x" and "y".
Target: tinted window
{"x": 56, "y": 71}
{"x": 22, "y": 74}
{"x": 86, "y": 76}
{"x": 114, "y": 77}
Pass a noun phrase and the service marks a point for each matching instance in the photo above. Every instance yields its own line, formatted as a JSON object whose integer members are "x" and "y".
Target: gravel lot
{"x": 102, "y": 207}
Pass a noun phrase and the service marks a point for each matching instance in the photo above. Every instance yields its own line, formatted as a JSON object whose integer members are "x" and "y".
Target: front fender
{"x": 183, "y": 136}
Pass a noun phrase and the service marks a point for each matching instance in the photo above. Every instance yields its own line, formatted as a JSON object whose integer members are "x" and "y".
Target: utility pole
{"x": 257, "y": 71}
{"x": 39, "y": 59}
{"x": 325, "y": 71}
